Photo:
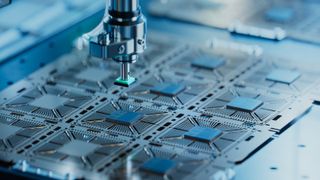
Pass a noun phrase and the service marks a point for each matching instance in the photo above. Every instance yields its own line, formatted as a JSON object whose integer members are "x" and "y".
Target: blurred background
{"x": 34, "y": 33}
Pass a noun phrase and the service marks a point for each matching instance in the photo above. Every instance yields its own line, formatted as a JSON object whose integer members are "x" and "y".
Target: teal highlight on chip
{"x": 168, "y": 89}
{"x": 158, "y": 165}
{"x": 209, "y": 63}
{"x": 124, "y": 117}
{"x": 283, "y": 76}
{"x": 244, "y": 104}
{"x": 127, "y": 83}
{"x": 203, "y": 134}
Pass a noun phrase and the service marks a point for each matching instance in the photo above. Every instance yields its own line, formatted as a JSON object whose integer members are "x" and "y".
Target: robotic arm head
{"x": 122, "y": 37}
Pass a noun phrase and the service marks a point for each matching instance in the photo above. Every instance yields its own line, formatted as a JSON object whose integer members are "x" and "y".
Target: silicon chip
{"x": 283, "y": 76}
{"x": 158, "y": 165}
{"x": 168, "y": 89}
{"x": 77, "y": 148}
{"x": 203, "y": 134}
{"x": 208, "y": 63}
{"x": 7, "y": 130}
{"x": 124, "y": 117}
{"x": 49, "y": 101}
{"x": 279, "y": 14}
{"x": 244, "y": 104}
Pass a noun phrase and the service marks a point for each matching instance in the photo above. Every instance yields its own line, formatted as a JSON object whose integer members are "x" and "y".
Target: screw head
{"x": 121, "y": 49}
{"x": 141, "y": 42}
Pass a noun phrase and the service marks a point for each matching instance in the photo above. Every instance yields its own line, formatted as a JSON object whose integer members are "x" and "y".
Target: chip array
{"x": 192, "y": 113}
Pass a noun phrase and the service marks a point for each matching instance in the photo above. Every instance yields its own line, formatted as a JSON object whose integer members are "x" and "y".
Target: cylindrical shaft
{"x": 124, "y": 5}
{"x": 125, "y": 70}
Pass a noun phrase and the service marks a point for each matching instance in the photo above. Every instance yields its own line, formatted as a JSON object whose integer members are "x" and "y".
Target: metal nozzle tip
{"x": 125, "y": 83}
{"x": 125, "y": 79}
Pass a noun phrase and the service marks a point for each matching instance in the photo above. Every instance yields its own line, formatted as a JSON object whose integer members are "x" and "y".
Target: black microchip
{"x": 244, "y": 104}
{"x": 124, "y": 117}
{"x": 280, "y": 14}
{"x": 208, "y": 63}
{"x": 283, "y": 76}
{"x": 168, "y": 89}
{"x": 78, "y": 148}
{"x": 203, "y": 134}
{"x": 7, "y": 130}
{"x": 49, "y": 101}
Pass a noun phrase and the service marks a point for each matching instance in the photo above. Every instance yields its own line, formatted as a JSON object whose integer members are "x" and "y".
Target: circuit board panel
{"x": 195, "y": 112}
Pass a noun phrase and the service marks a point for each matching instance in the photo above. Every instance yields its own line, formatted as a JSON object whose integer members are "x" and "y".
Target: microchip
{"x": 168, "y": 89}
{"x": 6, "y": 130}
{"x": 203, "y": 134}
{"x": 158, "y": 165}
{"x": 124, "y": 117}
{"x": 209, "y": 63}
{"x": 77, "y": 148}
{"x": 283, "y": 76}
{"x": 244, "y": 104}
{"x": 49, "y": 101}
{"x": 280, "y": 14}
{"x": 93, "y": 74}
